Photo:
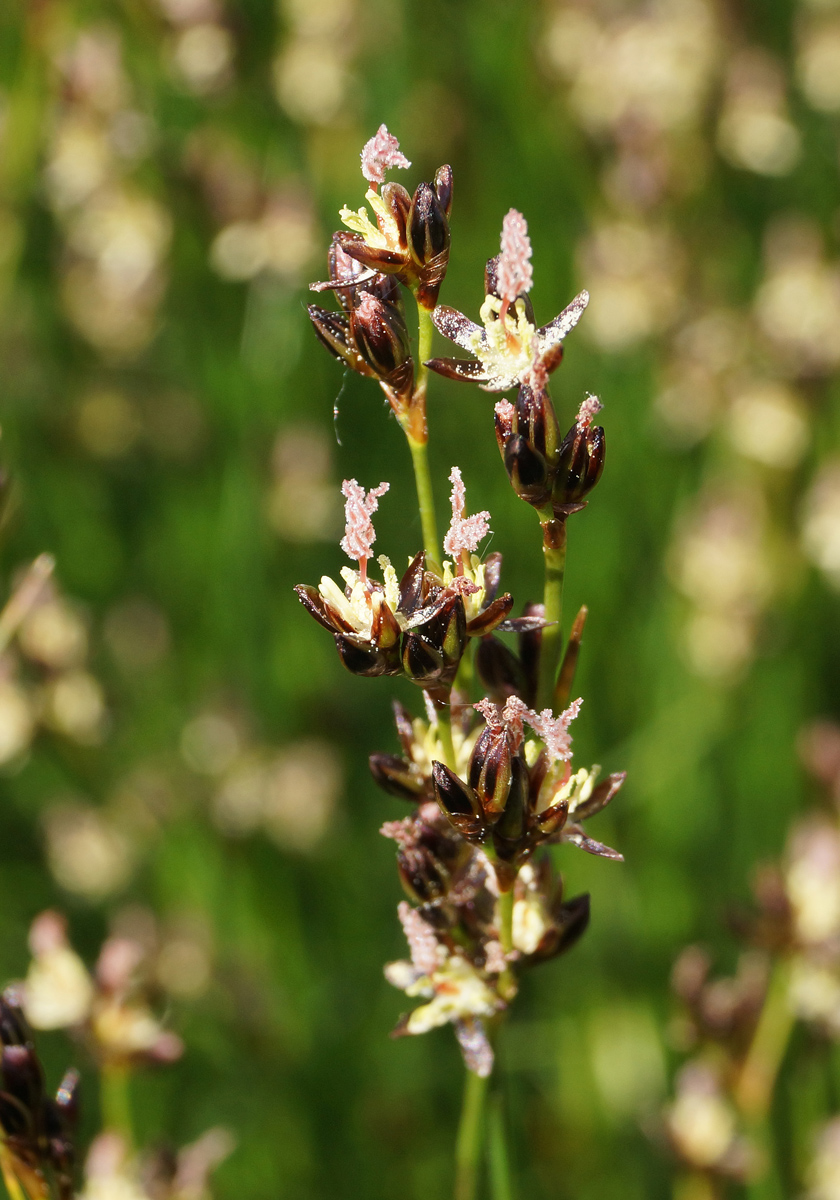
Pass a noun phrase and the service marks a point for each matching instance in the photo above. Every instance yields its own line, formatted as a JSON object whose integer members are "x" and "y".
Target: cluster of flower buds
{"x": 410, "y": 239}
{"x": 458, "y": 963}
{"x": 409, "y": 246}
{"x": 36, "y": 1132}
{"x": 467, "y": 842}
{"x": 520, "y": 796}
{"x": 369, "y": 335}
{"x": 108, "y": 1011}
{"x": 419, "y": 625}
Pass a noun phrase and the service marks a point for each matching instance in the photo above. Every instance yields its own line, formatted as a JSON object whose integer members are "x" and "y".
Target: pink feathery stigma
{"x": 381, "y": 152}
{"x": 465, "y": 533}
{"x": 587, "y": 411}
{"x": 514, "y": 713}
{"x": 359, "y": 534}
{"x": 422, "y": 943}
{"x": 515, "y": 274}
{"x": 492, "y": 714}
{"x": 554, "y": 731}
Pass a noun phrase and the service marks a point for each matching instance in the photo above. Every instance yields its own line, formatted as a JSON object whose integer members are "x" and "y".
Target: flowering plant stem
{"x": 418, "y": 445}
{"x": 470, "y": 1136}
{"x": 554, "y": 550}
{"x": 501, "y": 1184}
{"x": 116, "y": 1101}
{"x": 757, "y": 1080}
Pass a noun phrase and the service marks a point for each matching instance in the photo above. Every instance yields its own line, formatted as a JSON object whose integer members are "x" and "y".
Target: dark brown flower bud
{"x": 379, "y": 332}
{"x": 499, "y": 670}
{"x": 398, "y": 201}
{"x": 13, "y": 1029}
{"x": 422, "y": 876}
{"x": 490, "y": 771}
{"x": 428, "y": 230}
{"x": 397, "y": 776}
{"x": 428, "y": 242}
{"x": 361, "y": 658}
{"x": 570, "y": 923}
{"x": 443, "y": 189}
{"x": 432, "y": 649}
{"x": 23, "y": 1086}
{"x": 511, "y": 825}
{"x": 458, "y": 802}
{"x": 528, "y": 471}
{"x": 579, "y": 468}
{"x": 536, "y": 421}
{"x": 333, "y": 331}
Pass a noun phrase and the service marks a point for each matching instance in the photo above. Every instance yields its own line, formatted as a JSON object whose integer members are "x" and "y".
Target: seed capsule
{"x": 581, "y": 462}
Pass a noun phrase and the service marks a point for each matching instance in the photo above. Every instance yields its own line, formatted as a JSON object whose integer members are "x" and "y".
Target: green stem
{"x": 501, "y": 1183}
{"x": 755, "y": 1085}
{"x": 468, "y": 1148}
{"x": 506, "y": 920}
{"x": 425, "y": 499}
{"x": 116, "y": 1101}
{"x": 754, "y": 1088}
{"x": 554, "y": 550}
{"x": 425, "y": 332}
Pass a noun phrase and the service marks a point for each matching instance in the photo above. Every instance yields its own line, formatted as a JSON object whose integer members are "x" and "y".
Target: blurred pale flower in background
{"x": 291, "y": 794}
{"x": 633, "y": 273}
{"x": 719, "y": 564}
{"x": 818, "y": 64}
{"x": 654, "y": 67}
{"x": 821, "y": 521}
{"x": 823, "y": 1174}
{"x": 754, "y": 130}
{"x": 88, "y": 853}
{"x": 313, "y": 81}
{"x": 768, "y": 423}
{"x": 302, "y": 501}
{"x": 798, "y": 302}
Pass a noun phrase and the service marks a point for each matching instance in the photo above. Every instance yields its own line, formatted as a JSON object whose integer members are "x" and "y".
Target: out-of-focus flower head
{"x": 702, "y": 1125}
{"x": 755, "y": 132}
{"x": 108, "y": 1010}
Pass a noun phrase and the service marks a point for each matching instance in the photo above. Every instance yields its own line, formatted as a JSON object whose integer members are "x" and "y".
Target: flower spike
{"x": 379, "y": 153}
{"x": 359, "y": 534}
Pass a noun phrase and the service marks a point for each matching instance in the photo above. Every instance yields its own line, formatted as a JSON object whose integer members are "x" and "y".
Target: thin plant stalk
{"x": 425, "y": 499}
{"x": 416, "y": 433}
{"x": 115, "y": 1099}
{"x": 498, "y": 1158}
{"x": 470, "y": 1137}
{"x": 757, "y": 1080}
{"x": 554, "y": 551}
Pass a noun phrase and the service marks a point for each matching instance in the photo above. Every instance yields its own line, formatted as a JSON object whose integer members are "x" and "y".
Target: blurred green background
{"x": 184, "y": 754}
